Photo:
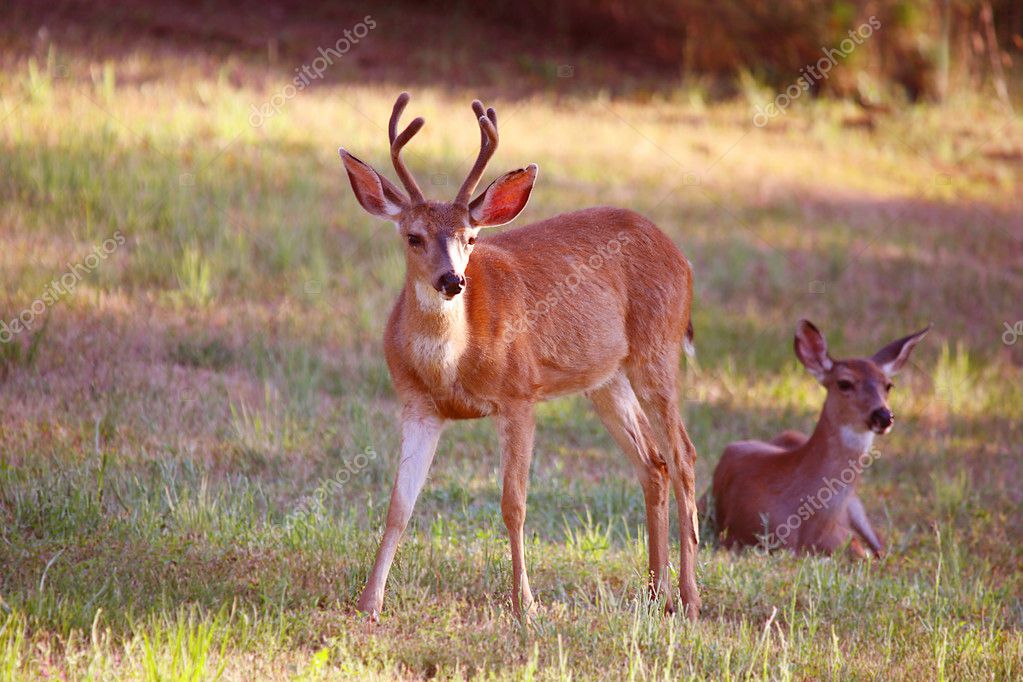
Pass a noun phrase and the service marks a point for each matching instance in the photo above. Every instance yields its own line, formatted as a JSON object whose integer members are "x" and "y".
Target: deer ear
{"x": 375, "y": 193}
{"x": 812, "y": 350}
{"x": 893, "y": 357}
{"x": 504, "y": 199}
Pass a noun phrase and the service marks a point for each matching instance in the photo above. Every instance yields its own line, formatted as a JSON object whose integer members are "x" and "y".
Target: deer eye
{"x": 845, "y": 385}
{"x": 472, "y": 240}
{"x": 415, "y": 240}
{"x": 888, "y": 387}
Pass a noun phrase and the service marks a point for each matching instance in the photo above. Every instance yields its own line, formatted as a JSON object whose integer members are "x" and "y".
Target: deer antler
{"x": 399, "y": 141}
{"x": 488, "y": 145}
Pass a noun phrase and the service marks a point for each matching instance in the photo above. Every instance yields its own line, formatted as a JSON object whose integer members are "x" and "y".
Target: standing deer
{"x": 594, "y": 301}
{"x": 799, "y": 492}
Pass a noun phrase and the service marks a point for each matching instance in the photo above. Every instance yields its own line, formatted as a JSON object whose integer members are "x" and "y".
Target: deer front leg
{"x": 419, "y": 436}
{"x": 516, "y": 426}
{"x": 859, "y": 522}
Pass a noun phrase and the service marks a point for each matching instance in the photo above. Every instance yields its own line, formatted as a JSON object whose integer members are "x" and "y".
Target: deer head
{"x": 439, "y": 236}
{"x": 858, "y": 388}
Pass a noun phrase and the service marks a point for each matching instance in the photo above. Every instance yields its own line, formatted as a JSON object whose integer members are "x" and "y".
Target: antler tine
{"x": 399, "y": 141}
{"x": 488, "y": 145}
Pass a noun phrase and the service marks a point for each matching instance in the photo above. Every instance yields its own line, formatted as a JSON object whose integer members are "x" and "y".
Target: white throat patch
{"x": 438, "y": 355}
{"x": 431, "y": 301}
{"x": 857, "y": 441}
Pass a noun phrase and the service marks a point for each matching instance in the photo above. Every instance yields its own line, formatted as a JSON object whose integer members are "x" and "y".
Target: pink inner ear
{"x": 808, "y": 353}
{"x": 366, "y": 185}
{"x": 518, "y": 183}
{"x": 503, "y": 201}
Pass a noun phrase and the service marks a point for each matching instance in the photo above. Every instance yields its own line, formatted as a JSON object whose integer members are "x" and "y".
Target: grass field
{"x": 167, "y": 422}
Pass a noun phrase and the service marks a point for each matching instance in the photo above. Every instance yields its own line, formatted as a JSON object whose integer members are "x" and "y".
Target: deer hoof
{"x": 371, "y": 605}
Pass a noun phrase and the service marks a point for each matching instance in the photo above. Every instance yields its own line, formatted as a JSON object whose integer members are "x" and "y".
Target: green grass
{"x": 163, "y": 442}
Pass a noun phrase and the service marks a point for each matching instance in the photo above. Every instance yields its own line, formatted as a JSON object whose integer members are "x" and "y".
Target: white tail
{"x": 594, "y": 301}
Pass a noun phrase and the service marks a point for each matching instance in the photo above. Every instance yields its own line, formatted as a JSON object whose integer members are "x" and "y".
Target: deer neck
{"x": 836, "y": 452}
{"x": 439, "y": 332}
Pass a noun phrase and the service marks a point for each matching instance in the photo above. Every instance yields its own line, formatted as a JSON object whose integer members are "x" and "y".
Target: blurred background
{"x": 927, "y": 50}
{"x": 197, "y": 428}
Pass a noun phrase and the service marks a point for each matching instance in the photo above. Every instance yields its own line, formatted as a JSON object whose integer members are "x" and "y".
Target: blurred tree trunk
{"x": 943, "y": 49}
{"x": 987, "y": 17}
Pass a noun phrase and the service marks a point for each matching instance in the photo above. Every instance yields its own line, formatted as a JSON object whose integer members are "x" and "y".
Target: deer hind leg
{"x": 656, "y": 383}
{"x": 789, "y": 439}
{"x": 833, "y": 539}
{"x": 621, "y": 414}
{"x": 516, "y": 426}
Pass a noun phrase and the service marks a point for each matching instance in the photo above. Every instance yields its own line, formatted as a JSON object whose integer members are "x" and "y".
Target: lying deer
{"x": 594, "y": 301}
{"x": 799, "y": 492}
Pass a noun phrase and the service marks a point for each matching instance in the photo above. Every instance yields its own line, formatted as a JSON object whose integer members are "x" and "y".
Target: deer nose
{"x": 450, "y": 284}
{"x": 881, "y": 419}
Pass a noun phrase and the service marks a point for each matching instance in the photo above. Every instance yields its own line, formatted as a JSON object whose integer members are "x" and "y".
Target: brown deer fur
{"x": 799, "y": 492}
{"x": 595, "y": 301}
